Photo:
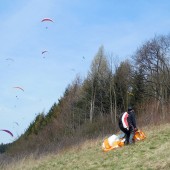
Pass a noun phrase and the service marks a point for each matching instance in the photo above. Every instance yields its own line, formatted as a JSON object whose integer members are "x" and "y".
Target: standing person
{"x": 127, "y": 123}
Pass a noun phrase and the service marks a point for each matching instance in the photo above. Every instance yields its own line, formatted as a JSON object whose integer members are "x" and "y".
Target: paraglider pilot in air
{"x": 127, "y": 124}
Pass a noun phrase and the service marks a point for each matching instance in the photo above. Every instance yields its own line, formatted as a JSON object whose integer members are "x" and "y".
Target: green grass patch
{"x": 152, "y": 153}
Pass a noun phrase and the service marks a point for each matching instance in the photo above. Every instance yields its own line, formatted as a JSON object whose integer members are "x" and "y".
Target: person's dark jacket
{"x": 131, "y": 119}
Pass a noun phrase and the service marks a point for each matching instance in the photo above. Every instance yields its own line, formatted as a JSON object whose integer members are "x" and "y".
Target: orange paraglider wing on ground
{"x": 115, "y": 141}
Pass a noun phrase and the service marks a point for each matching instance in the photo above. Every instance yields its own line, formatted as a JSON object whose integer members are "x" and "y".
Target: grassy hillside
{"x": 152, "y": 153}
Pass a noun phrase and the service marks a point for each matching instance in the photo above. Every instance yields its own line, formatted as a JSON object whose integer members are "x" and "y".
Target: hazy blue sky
{"x": 80, "y": 27}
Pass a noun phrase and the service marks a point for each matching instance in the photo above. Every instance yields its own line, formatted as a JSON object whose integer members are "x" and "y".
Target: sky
{"x": 72, "y": 40}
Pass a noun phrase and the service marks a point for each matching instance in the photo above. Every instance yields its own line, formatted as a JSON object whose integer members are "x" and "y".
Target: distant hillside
{"x": 152, "y": 153}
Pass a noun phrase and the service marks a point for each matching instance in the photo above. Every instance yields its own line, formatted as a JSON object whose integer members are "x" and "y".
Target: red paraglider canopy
{"x": 47, "y": 19}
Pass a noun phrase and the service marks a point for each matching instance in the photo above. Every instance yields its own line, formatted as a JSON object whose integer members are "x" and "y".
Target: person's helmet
{"x": 130, "y": 109}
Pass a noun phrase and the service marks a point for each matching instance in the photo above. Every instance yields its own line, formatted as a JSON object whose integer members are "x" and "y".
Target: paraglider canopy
{"x": 17, "y": 87}
{"x": 47, "y": 19}
{"x": 9, "y": 132}
{"x": 16, "y": 123}
{"x": 44, "y": 51}
{"x": 9, "y": 59}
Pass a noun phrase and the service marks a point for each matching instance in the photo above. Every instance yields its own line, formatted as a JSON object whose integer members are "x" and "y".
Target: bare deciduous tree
{"x": 153, "y": 59}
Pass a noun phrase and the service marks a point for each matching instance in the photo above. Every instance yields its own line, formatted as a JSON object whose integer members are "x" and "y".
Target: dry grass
{"x": 152, "y": 153}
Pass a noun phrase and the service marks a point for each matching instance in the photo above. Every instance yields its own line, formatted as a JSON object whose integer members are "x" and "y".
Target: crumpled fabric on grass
{"x": 116, "y": 141}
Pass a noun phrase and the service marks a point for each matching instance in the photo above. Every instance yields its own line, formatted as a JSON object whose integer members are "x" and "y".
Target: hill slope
{"x": 152, "y": 153}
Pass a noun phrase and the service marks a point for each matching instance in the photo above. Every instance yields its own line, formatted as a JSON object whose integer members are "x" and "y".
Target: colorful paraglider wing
{"x": 17, "y": 87}
{"x": 7, "y": 132}
{"x": 47, "y": 19}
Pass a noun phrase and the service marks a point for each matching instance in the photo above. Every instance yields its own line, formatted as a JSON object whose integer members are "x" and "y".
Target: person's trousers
{"x": 129, "y": 134}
